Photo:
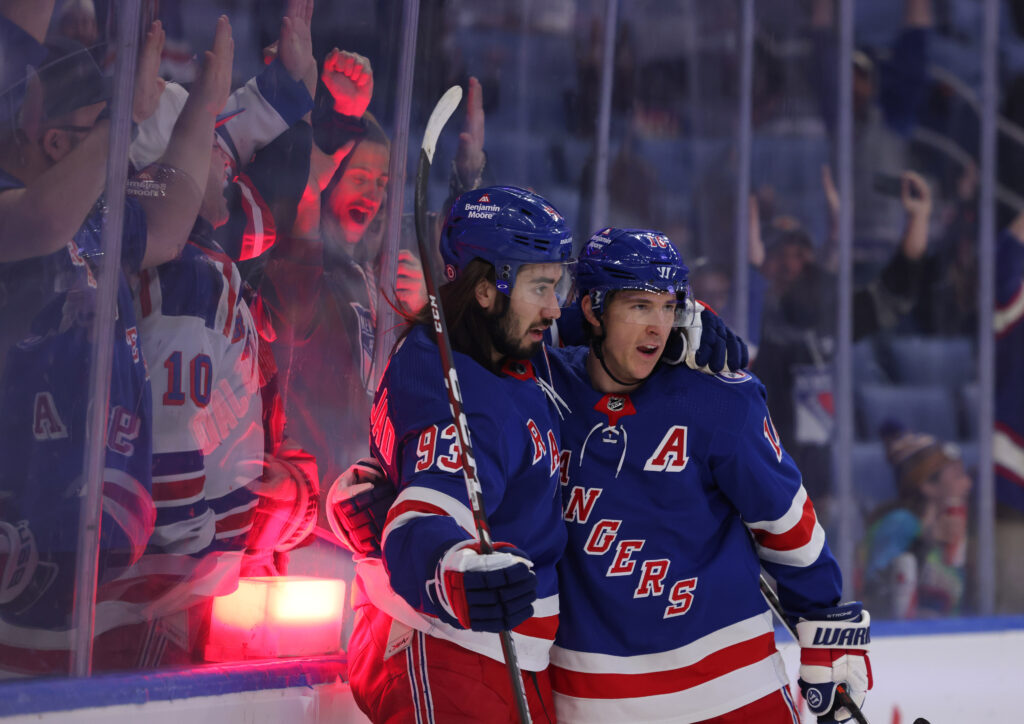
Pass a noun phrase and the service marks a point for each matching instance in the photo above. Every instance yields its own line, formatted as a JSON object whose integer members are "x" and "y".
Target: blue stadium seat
{"x": 923, "y": 408}
{"x": 919, "y": 360}
{"x": 874, "y": 482}
{"x": 866, "y": 367}
{"x": 969, "y": 418}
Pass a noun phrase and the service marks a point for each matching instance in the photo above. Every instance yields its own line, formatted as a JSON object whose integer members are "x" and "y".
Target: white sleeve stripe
{"x": 798, "y": 557}
{"x": 239, "y": 509}
{"x": 789, "y": 519}
{"x": 178, "y": 502}
{"x": 454, "y": 508}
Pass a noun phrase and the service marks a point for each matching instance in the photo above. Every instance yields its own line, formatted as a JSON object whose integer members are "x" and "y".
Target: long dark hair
{"x": 466, "y": 319}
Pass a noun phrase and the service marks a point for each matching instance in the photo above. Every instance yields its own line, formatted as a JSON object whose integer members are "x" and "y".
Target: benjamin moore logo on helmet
{"x": 482, "y": 209}
{"x": 599, "y": 240}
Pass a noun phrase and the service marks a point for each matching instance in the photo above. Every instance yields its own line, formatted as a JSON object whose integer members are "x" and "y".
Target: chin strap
{"x": 595, "y": 346}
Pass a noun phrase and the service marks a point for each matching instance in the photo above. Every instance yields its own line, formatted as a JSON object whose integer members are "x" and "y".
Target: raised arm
{"x": 32, "y": 16}
{"x": 41, "y": 217}
{"x": 185, "y": 165}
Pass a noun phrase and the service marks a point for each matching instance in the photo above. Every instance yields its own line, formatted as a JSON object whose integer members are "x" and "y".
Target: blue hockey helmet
{"x": 508, "y": 227}
{"x": 617, "y": 259}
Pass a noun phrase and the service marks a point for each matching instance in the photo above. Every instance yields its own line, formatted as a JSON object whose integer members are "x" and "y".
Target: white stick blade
{"x": 440, "y": 115}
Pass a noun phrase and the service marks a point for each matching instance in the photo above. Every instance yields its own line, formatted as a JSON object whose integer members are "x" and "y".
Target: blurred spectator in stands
{"x": 915, "y": 549}
{"x": 77, "y": 21}
{"x": 323, "y": 281}
{"x": 887, "y": 101}
{"x": 321, "y": 285}
{"x": 23, "y": 26}
{"x": 54, "y": 169}
{"x": 948, "y": 301}
{"x": 798, "y": 330}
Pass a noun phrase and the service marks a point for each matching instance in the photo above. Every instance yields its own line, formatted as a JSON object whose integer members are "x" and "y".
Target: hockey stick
{"x": 438, "y": 117}
{"x": 776, "y": 606}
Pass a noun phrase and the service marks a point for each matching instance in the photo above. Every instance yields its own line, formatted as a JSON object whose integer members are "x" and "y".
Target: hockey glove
{"x": 833, "y": 651}
{"x": 707, "y": 344}
{"x": 357, "y": 506}
{"x": 492, "y": 592}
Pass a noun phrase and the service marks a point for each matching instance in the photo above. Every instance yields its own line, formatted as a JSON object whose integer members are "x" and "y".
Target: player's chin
{"x": 643, "y": 363}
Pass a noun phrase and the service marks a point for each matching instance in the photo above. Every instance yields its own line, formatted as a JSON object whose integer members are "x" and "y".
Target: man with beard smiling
{"x": 676, "y": 491}
{"x": 423, "y": 642}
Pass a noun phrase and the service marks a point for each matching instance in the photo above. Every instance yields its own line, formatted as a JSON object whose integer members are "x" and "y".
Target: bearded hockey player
{"x": 423, "y": 647}
{"x": 676, "y": 492}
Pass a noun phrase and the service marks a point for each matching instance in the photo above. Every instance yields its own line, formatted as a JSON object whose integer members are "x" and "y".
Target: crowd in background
{"x": 250, "y": 286}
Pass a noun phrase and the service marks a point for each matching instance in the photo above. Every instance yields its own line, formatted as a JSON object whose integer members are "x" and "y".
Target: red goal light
{"x": 277, "y": 616}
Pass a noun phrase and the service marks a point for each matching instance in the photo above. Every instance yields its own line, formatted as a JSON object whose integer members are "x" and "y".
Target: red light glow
{"x": 277, "y": 616}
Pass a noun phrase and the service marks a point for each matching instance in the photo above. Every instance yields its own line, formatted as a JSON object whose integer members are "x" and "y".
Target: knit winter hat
{"x": 914, "y": 456}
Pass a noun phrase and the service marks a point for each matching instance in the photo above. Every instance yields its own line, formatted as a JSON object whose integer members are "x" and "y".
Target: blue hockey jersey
{"x": 674, "y": 496}
{"x": 45, "y": 401}
{"x": 516, "y": 446}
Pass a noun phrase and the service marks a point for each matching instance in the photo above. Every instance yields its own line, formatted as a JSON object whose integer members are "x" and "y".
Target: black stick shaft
{"x": 469, "y": 469}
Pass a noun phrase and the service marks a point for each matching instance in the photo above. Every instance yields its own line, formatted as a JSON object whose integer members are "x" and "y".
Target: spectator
{"x": 77, "y": 21}
{"x": 798, "y": 333}
{"x": 322, "y": 282}
{"x": 916, "y": 546}
{"x": 887, "y": 101}
{"x": 53, "y": 174}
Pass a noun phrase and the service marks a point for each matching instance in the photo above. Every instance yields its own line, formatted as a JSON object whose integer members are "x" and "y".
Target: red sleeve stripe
{"x": 178, "y": 492}
{"x": 412, "y": 506}
{"x": 236, "y": 523}
{"x": 540, "y": 627}
{"x": 796, "y": 537}
{"x": 627, "y": 686}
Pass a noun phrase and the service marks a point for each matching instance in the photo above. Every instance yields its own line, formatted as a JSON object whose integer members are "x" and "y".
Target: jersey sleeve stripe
{"x": 417, "y": 501}
{"x": 788, "y": 519}
{"x": 178, "y": 492}
{"x": 1007, "y": 315}
{"x": 166, "y": 465}
{"x": 618, "y": 686}
{"x": 1008, "y": 452}
{"x": 798, "y": 557}
{"x": 795, "y": 537}
{"x": 541, "y": 627}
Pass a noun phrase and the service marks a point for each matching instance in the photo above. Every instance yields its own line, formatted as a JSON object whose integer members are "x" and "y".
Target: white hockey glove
{"x": 833, "y": 652}
{"x": 358, "y": 504}
{"x": 23, "y": 577}
{"x": 706, "y": 344}
{"x": 492, "y": 592}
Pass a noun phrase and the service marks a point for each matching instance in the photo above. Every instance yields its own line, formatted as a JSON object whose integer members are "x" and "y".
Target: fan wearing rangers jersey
{"x": 48, "y": 313}
{"x": 676, "y": 491}
{"x": 424, "y": 644}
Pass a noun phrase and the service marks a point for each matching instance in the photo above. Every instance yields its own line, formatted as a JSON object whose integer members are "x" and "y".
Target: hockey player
{"x": 676, "y": 491}
{"x": 430, "y": 651}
